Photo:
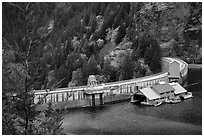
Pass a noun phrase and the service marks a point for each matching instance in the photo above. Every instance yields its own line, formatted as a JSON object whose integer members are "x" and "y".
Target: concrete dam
{"x": 85, "y": 96}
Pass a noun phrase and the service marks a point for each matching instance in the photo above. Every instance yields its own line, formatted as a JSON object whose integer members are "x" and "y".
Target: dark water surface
{"x": 125, "y": 118}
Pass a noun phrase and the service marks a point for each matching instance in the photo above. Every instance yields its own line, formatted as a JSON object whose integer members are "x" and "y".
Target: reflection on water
{"x": 125, "y": 118}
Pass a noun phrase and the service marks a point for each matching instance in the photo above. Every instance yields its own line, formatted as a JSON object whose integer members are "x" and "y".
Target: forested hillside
{"x": 66, "y": 42}
{"x": 50, "y": 45}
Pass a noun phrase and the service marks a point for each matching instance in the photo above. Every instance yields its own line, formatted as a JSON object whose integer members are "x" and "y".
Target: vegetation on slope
{"x": 50, "y": 45}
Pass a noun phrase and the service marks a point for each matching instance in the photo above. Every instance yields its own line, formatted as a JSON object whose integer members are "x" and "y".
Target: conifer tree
{"x": 153, "y": 56}
{"x": 103, "y": 8}
{"x": 23, "y": 101}
{"x": 93, "y": 23}
{"x": 52, "y": 122}
{"x": 24, "y": 71}
{"x": 92, "y": 66}
{"x": 121, "y": 33}
{"x": 107, "y": 69}
{"x": 127, "y": 68}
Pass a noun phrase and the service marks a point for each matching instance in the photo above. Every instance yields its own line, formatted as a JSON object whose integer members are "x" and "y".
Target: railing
{"x": 107, "y": 85}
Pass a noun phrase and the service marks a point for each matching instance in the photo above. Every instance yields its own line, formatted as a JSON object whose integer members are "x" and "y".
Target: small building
{"x": 151, "y": 97}
{"x": 179, "y": 90}
{"x": 92, "y": 81}
{"x": 154, "y": 95}
{"x": 93, "y": 91}
{"x": 164, "y": 90}
{"x": 174, "y": 72}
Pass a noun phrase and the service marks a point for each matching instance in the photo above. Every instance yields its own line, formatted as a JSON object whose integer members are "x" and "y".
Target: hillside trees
{"x": 153, "y": 56}
{"x": 193, "y": 33}
{"x": 22, "y": 66}
{"x": 76, "y": 78}
{"x": 9, "y": 83}
{"x": 121, "y": 33}
{"x": 127, "y": 68}
{"x": 108, "y": 71}
{"x": 148, "y": 49}
{"x": 23, "y": 103}
{"x": 92, "y": 66}
{"x": 49, "y": 45}
{"x": 51, "y": 122}
{"x": 64, "y": 28}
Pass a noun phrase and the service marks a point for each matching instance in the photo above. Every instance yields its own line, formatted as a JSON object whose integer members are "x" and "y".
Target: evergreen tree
{"x": 92, "y": 68}
{"x": 84, "y": 73}
{"x": 117, "y": 21}
{"x": 121, "y": 33}
{"x": 23, "y": 102}
{"x": 93, "y": 23}
{"x": 127, "y": 68}
{"x": 103, "y": 8}
{"x": 52, "y": 122}
{"x": 107, "y": 23}
{"x": 107, "y": 69}
{"x": 86, "y": 17}
{"x": 96, "y": 7}
{"x": 139, "y": 70}
{"x": 8, "y": 85}
{"x": 153, "y": 56}
{"x": 25, "y": 71}
{"x": 76, "y": 78}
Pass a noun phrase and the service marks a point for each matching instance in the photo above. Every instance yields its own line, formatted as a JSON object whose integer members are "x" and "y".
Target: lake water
{"x": 128, "y": 119}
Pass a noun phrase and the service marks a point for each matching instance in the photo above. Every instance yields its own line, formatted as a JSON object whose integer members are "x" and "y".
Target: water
{"x": 125, "y": 118}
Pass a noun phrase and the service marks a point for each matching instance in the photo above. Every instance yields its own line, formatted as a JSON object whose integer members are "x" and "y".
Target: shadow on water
{"x": 123, "y": 118}
{"x": 194, "y": 76}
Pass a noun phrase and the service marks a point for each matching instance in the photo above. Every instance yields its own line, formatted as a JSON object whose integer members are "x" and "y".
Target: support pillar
{"x": 73, "y": 95}
{"x": 132, "y": 98}
{"x": 101, "y": 98}
{"x": 93, "y": 100}
{"x": 83, "y": 95}
{"x": 51, "y": 97}
{"x": 45, "y": 99}
{"x": 67, "y": 95}
{"x": 62, "y": 96}
{"x": 56, "y": 97}
{"x": 39, "y": 98}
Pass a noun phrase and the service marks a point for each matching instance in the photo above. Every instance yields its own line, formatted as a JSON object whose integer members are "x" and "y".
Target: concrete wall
{"x": 125, "y": 88}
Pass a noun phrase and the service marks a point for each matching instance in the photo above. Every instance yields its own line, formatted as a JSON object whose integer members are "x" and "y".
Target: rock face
{"x": 117, "y": 55}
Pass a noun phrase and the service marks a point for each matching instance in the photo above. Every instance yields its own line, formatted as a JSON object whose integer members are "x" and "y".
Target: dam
{"x": 73, "y": 97}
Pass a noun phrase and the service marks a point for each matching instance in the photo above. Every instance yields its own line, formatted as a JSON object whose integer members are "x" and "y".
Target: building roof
{"x": 174, "y": 69}
{"x": 162, "y": 88}
{"x": 149, "y": 93}
{"x": 178, "y": 88}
